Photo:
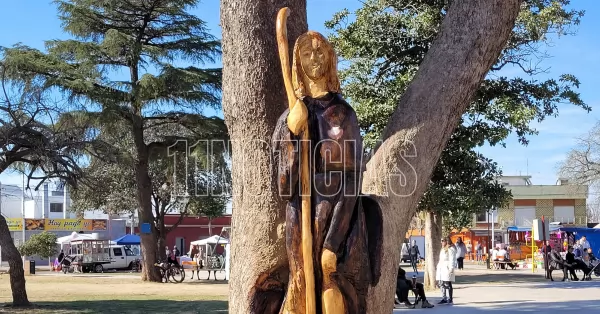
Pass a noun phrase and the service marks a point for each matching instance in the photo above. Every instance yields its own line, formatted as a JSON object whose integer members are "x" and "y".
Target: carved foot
{"x": 332, "y": 299}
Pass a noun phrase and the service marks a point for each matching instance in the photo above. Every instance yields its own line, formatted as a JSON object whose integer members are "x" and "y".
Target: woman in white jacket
{"x": 445, "y": 271}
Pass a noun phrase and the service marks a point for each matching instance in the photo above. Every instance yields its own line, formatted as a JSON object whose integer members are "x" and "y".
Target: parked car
{"x": 121, "y": 257}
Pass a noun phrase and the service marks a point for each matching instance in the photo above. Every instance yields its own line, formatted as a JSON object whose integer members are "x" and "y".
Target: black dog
{"x": 556, "y": 262}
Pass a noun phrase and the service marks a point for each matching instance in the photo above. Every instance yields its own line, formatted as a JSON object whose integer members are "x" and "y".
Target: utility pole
{"x": 489, "y": 244}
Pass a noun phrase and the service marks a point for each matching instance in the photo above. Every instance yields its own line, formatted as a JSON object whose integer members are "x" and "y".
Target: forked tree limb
{"x": 472, "y": 35}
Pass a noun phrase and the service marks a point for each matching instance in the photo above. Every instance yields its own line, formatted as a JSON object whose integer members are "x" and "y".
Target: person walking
{"x": 414, "y": 256}
{"x": 479, "y": 252}
{"x": 445, "y": 271}
{"x": 461, "y": 251}
{"x": 469, "y": 250}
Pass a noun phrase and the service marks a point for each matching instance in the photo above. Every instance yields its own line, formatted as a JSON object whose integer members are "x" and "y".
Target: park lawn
{"x": 107, "y": 294}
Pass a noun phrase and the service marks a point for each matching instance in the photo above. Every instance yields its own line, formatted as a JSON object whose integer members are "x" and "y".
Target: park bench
{"x": 500, "y": 261}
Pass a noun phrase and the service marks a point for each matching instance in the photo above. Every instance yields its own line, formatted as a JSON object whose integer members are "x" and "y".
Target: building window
{"x": 483, "y": 216}
{"x": 564, "y": 214}
{"x": 524, "y": 215}
{"x": 118, "y": 251}
{"x": 56, "y": 207}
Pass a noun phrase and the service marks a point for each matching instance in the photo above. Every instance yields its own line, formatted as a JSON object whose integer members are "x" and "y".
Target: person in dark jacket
{"x": 61, "y": 256}
{"x": 403, "y": 286}
{"x": 570, "y": 258}
{"x": 414, "y": 256}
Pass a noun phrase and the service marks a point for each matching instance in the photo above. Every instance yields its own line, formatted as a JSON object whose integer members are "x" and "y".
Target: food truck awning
{"x": 525, "y": 229}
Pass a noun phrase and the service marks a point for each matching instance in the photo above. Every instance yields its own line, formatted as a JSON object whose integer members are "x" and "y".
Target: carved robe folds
{"x": 344, "y": 222}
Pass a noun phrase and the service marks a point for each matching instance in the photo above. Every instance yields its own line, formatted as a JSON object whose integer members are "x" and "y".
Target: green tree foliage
{"x": 111, "y": 185}
{"x": 36, "y": 143}
{"x": 41, "y": 244}
{"x": 383, "y": 44}
{"x": 120, "y": 66}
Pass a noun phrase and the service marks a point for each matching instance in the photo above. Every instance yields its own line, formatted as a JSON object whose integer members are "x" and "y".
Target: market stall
{"x": 592, "y": 235}
{"x": 207, "y": 254}
{"x": 521, "y": 247}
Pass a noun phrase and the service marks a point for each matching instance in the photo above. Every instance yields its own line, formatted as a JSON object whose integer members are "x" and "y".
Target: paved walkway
{"x": 481, "y": 291}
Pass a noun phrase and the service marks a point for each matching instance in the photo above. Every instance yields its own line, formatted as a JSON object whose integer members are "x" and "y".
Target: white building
{"x": 47, "y": 202}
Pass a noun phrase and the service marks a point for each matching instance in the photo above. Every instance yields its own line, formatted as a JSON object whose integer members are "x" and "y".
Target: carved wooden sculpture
{"x": 333, "y": 234}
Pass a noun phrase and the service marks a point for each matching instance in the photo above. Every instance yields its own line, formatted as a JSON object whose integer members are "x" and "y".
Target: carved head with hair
{"x": 316, "y": 61}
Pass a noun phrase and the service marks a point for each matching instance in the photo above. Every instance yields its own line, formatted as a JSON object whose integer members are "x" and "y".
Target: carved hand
{"x": 298, "y": 117}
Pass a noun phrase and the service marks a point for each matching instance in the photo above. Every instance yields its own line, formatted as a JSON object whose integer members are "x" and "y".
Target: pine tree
{"x": 120, "y": 65}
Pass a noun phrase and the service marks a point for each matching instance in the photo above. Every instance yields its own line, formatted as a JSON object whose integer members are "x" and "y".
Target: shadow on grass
{"x": 518, "y": 306}
{"x": 500, "y": 277}
{"x": 124, "y": 306}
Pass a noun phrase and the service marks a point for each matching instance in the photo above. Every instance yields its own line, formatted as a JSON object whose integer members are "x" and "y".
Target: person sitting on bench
{"x": 590, "y": 255}
{"x": 403, "y": 286}
{"x": 504, "y": 258}
{"x": 570, "y": 258}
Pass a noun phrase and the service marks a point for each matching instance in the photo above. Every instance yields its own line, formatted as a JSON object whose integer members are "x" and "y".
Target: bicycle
{"x": 136, "y": 266}
{"x": 170, "y": 272}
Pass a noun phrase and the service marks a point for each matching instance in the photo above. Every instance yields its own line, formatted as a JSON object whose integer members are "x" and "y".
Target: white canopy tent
{"x": 78, "y": 236}
{"x": 210, "y": 244}
{"x": 74, "y": 236}
{"x": 211, "y": 240}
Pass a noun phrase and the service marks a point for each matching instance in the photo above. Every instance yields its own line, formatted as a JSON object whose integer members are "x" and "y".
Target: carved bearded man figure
{"x": 345, "y": 227}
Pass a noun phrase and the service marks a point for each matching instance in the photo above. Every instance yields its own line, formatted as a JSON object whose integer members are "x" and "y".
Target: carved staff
{"x": 297, "y": 107}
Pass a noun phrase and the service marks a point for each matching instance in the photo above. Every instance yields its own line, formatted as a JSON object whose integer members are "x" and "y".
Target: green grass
{"x": 124, "y": 306}
{"x": 70, "y": 294}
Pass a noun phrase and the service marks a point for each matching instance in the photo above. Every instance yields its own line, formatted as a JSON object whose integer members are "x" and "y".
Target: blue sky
{"x": 32, "y": 22}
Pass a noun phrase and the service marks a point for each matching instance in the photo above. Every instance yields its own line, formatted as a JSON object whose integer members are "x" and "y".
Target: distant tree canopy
{"x": 120, "y": 68}
{"x": 204, "y": 175}
{"x": 384, "y": 42}
{"x": 582, "y": 164}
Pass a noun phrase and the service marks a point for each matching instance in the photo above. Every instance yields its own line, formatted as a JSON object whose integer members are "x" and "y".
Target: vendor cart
{"x": 89, "y": 255}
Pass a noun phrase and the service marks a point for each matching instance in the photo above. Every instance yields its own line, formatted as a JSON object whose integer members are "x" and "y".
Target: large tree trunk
{"x": 16, "y": 271}
{"x": 433, "y": 235}
{"x": 472, "y": 36}
{"x": 253, "y": 99}
{"x": 145, "y": 213}
{"x": 162, "y": 243}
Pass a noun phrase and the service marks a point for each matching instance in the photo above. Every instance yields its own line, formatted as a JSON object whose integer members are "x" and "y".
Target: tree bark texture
{"x": 472, "y": 36}
{"x": 433, "y": 236}
{"x": 253, "y": 100}
{"x": 15, "y": 263}
{"x": 145, "y": 213}
{"x": 162, "y": 243}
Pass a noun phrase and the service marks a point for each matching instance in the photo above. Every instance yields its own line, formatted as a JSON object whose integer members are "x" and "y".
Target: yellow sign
{"x": 68, "y": 225}
{"x": 16, "y": 224}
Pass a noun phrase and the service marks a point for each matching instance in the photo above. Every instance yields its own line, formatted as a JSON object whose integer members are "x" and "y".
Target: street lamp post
{"x": 489, "y": 245}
